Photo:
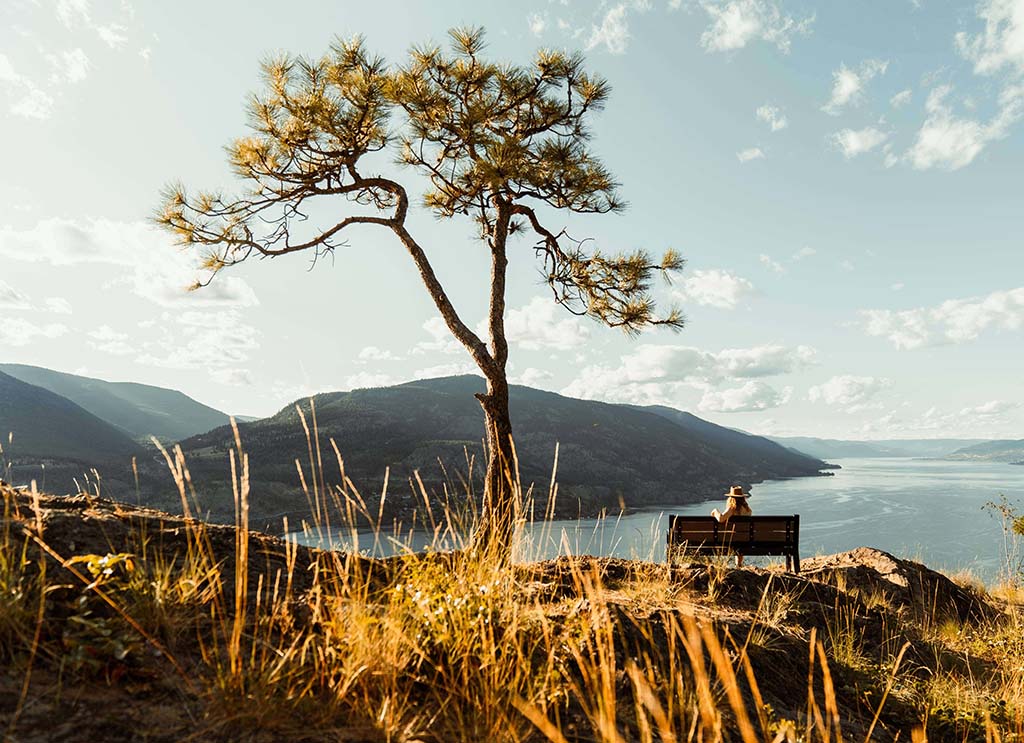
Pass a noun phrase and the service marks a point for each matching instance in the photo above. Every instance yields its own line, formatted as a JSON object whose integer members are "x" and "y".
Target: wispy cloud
{"x": 70, "y": 66}
{"x": 953, "y": 321}
{"x": 713, "y": 288}
{"x": 34, "y": 96}
{"x": 747, "y": 398}
{"x": 848, "y": 392}
{"x": 854, "y": 142}
{"x": 613, "y": 31}
{"x": 1000, "y": 46}
{"x": 660, "y": 373}
{"x": 752, "y": 153}
{"x": 373, "y": 353}
{"x": 541, "y": 323}
{"x": 736, "y": 23}
{"x": 536, "y": 23}
{"x": 18, "y": 331}
{"x": 201, "y": 340}
{"x": 951, "y": 142}
{"x": 27, "y": 99}
{"x": 848, "y": 84}
{"x": 157, "y": 270}
{"x": 773, "y": 117}
{"x": 769, "y": 263}
{"x": 901, "y": 99}
{"x": 11, "y": 298}
{"x": 107, "y": 340}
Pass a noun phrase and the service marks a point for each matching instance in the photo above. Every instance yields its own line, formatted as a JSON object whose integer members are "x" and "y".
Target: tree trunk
{"x": 500, "y": 507}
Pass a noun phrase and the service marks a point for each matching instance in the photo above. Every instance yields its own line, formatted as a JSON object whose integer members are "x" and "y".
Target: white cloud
{"x": 853, "y": 142}
{"x": 35, "y": 99}
{"x": 953, "y": 321}
{"x": 36, "y": 104}
{"x": 804, "y": 252}
{"x": 363, "y": 380}
{"x": 736, "y": 23}
{"x": 1001, "y": 44}
{"x": 16, "y": 331}
{"x": 658, "y": 373}
{"x": 773, "y": 117}
{"x": 70, "y": 12}
{"x": 899, "y": 285}
{"x": 71, "y": 66}
{"x": 233, "y": 377}
{"x": 714, "y": 288}
{"x": 542, "y": 323}
{"x": 537, "y": 23}
{"x": 990, "y": 409}
{"x": 11, "y": 298}
{"x": 847, "y": 391}
{"x": 981, "y": 421}
{"x": 613, "y": 31}
{"x": 901, "y": 99}
{"x": 763, "y": 361}
{"x": 948, "y": 141}
{"x": 58, "y": 305}
{"x": 453, "y": 369}
{"x": 115, "y": 35}
{"x": 768, "y": 262}
{"x": 442, "y": 340}
{"x": 372, "y": 353}
{"x": 27, "y": 99}
{"x": 951, "y": 142}
{"x": 749, "y": 397}
{"x": 848, "y": 84}
{"x": 531, "y": 377}
{"x": 108, "y": 340}
{"x": 158, "y": 271}
{"x": 195, "y": 339}
{"x": 753, "y": 153}
{"x": 7, "y": 72}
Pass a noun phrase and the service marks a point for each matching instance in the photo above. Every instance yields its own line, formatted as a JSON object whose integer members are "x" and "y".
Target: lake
{"x": 926, "y": 510}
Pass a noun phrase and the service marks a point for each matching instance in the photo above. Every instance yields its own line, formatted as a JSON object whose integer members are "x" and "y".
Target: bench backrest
{"x": 695, "y": 532}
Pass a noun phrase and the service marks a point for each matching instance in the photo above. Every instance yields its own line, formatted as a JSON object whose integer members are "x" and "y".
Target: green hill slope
{"x": 48, "y": 427}
{"x": 755, "y": 452}
{"x": 609, "y": 454}
{"x": 139, "y": 410}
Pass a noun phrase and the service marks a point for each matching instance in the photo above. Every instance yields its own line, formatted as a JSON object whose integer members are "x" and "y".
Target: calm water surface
{"x": 921, "y": 509}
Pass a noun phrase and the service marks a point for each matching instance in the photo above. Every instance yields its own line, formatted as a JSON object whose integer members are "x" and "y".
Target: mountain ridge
{"x": 139, "y": 410}
{"x": 609, "y": 454}
{"x": 44, "y": 426}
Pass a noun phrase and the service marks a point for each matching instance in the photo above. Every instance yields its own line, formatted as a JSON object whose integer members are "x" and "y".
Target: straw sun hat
{"x": 736, "y": 491}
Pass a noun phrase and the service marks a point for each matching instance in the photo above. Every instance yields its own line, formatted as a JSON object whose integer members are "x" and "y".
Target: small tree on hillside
{"x": 498, "y": 143}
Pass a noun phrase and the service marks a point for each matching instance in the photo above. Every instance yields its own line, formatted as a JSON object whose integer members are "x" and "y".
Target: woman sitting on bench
{"x": 735, "y": 505}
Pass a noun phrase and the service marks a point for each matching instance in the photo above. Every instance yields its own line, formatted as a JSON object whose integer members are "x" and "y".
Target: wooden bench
{"x": 743, "y": 535}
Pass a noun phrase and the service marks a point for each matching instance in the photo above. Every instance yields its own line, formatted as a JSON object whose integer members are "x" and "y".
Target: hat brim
{"x": 737, "y": 495}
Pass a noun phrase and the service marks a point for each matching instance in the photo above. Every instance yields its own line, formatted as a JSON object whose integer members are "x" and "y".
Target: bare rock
{"x": 873, "y": 573}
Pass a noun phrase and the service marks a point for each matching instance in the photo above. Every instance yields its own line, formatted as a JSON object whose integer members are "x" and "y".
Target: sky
{"x": 845, "y": 181}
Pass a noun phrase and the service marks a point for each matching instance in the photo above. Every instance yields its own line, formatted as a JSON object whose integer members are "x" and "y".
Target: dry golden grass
{"x": 439, "y": 647}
